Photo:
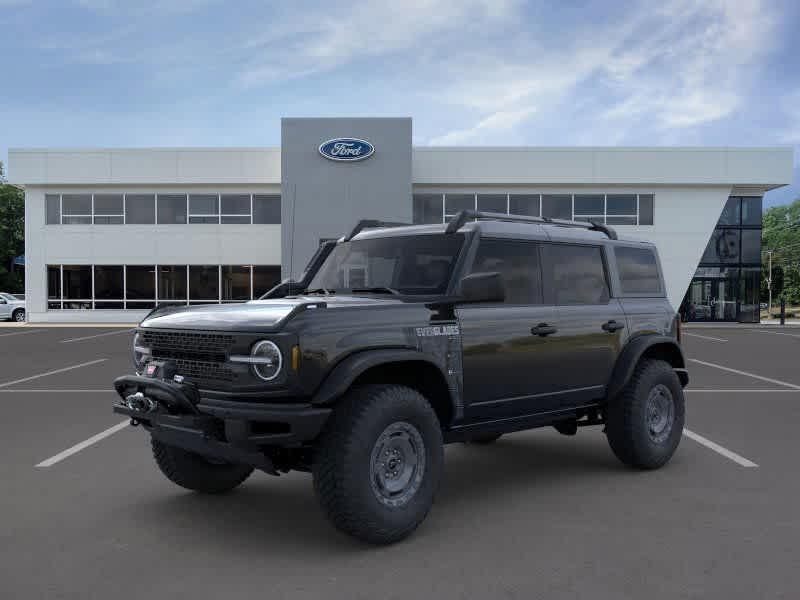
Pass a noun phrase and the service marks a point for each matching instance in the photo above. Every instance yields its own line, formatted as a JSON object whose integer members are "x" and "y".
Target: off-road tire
{"x": 18, "y": 315}
{"x": 194, "y": 472}
{"x": 343, "y": 469}
{"x": 485, "y": 440}
{"x": 627, "y": 425}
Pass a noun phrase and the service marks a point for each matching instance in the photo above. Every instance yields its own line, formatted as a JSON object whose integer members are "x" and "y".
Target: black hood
{"x": 256, "y": 315}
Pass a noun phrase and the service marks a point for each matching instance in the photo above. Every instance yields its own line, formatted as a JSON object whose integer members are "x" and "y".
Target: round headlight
{"x": 267, "y": 360}
{"x": 140, "y": 353}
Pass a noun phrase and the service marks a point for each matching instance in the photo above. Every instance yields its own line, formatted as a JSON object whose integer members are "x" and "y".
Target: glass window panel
{"x": 140, "y": 282}
{"x": 751, "y": 211}
{"x": 427, "y": 208}
{"x": 108, "y": 220}
{"x": 751, "y": 246}
{"x": 723, "y": 247}
{"x": 140, "y": 209}
{"x": 265, "y": 277}
{"x": 108, "y": 283}
{"x": 105, "y": 305}
{"x": 638, "y": 271}
{"x": 620, "y": 204}
{"x": 646, "y": 209}
{"x": 454, "y": 203}
{"x": 203, "y": 204}
{"x": 266, "y": 209}
{"x": 557, "y": 206}
{"x": 524, "y": 204}
{"x": 236, "y": 204}
{"x": 87, "y": 305}
{"x": 203, "y": 282}
{"x": 497, "y": 203}
{"x": 750, "y": 294}
{"x": 206, "y": 220}
{"x": 76, "y": 204}
{"x": 712, "y": 294}
{"x": 518, "y": 263}
{"x": 140, "y": 305}
{"x": 54, "y": 306}
{"x": 87, "y": 220}
{"x": 235, "y": 282}
{"x": 233, "y": 220}
{"x": 108, "y": 204}
{"x": 576, "y": 274}
{"x": 171, "y": 209}
{"x": 54, "y": 282}
{"x": 77, "y": 282}
{"x": 730, "y": 214}
{"x": 171, "y": 282}
{"x": 592, "y": 204}
{"x": 611, "y": 220}
{"x": 53, "y": 208}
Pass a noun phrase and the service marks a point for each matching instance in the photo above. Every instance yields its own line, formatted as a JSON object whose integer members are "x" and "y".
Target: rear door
{"x": 5, "y": 308}
{"x": 591, "y": 324}
{"x": 508, "y": 368}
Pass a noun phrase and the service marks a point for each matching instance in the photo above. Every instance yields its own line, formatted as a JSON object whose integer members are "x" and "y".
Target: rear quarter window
{"x": 638, "y": 271}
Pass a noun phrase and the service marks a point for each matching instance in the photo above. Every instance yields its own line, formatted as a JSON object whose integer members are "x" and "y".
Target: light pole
{"x": 769, "y": 285}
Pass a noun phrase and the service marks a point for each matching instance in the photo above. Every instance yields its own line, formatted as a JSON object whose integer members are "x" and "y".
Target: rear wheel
{"x": 644, "y": 423}
{"x": 378, "y": 462}
{"x": 19, "y": 315}
{"x": 195, "y": 472}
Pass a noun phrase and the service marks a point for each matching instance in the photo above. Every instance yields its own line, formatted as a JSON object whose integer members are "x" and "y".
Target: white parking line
{"x": 753, "y": 375}
{"x": 705, "y": 337}
{"x": 729, "y": 454}
{"x": 91, "y": 337}
{"x": 82, "y": 391}
{"x": 27, "y": 331}
{"x": 745, "y": 391}
{"x": 82, "y": 445}
{"x": 24, "y": 379}
{"x": 794, "y": 335}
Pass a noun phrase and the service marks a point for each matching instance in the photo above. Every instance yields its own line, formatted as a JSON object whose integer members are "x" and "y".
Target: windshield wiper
{"x": 376, "y": 290}
{"x": 321, "y": 290}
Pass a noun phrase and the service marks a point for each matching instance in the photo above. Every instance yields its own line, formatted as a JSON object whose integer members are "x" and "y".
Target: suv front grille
{"x": 200, "y": 357}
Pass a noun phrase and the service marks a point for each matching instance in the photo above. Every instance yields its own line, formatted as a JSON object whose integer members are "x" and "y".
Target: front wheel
{"x": 644, "y": 423}
{"x": 195, "y": 472}
{"x": 378, "y": 462}
{"x": 19, "y": 315}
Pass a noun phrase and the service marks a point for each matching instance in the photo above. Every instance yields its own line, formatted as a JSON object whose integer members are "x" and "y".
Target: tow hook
{"x": 141, "y": 403}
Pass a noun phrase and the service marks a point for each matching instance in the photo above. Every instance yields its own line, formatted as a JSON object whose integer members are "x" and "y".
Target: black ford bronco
{"x": 399, "y": 339}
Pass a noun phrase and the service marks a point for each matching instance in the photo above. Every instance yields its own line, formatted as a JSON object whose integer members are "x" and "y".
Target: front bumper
{"x": 175, "y": 414}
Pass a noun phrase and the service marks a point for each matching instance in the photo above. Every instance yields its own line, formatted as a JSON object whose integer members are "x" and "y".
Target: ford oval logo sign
{"x": 346, "y": 149}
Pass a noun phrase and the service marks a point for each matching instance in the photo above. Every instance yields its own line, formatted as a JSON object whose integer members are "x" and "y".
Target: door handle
{"x": 543, "y": 329}
{"x": 612, "y": 326}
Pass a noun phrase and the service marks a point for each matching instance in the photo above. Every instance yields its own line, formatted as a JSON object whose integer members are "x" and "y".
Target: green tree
{"x": 12, "y": 234}
{"x": 781, "y": 235}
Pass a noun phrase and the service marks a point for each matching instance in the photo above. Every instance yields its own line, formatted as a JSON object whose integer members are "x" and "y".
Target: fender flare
{"x": 633, "y": 351}
{"x": 346, "y": 371}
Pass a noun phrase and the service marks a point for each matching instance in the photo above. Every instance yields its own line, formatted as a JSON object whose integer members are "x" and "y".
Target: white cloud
{"x": 496, "y": 122}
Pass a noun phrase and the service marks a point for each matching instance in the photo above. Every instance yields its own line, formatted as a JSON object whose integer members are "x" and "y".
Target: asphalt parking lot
{"x": 537, "y": 515}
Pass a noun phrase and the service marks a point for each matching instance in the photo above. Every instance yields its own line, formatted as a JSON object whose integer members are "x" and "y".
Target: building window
{"x": 76, "y": 283}
{"x": 140, "y": 209}
{"x": 203, "y": 283}
{"x": 204, "y": 208}
{"x": 109, "y": 287}
{"x": 428, "y": 208}
{"x": 109, "y": 209}
{"x": 496, "y": 203}
{"x": 53, "y": 209}
{"x": 621, "y": 209}
{"x": 53, "y": 287}
{"x": 264, "y": 279}
{"x": 266, "y": 209}
{"x": 455, "y": 203}
{"x": 171, "y": 209}
{"x": 236, "y": 283}
{"x": 235, "y": 209}
{"x": 76, "y": 209}
{"x": 525, "y": 204}
{"x": 557, "y": 206}
{"x": 590, "y": 207}
{"x": 172, "y": 284}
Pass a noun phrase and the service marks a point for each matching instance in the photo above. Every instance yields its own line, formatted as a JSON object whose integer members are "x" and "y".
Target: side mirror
{"x": 483, "y": 287}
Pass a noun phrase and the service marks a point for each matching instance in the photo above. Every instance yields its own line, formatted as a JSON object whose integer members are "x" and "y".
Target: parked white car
{"x": 12, "y": 308}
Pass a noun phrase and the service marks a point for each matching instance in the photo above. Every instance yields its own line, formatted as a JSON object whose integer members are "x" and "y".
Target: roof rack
{"x": 370, "y": 223}
{"x": 460, "y": 218}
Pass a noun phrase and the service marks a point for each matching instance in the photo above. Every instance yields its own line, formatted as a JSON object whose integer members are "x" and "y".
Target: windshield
{"x": 8, "y": 297}
{"x": 413, "y": 264}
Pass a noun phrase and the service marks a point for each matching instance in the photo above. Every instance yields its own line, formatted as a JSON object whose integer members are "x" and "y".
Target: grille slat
{"x": 200, "y": 357}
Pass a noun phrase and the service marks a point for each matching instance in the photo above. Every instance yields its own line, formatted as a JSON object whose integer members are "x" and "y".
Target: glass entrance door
{"x": 712, "y": 300}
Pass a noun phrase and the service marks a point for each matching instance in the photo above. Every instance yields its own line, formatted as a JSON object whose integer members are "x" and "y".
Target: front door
{"x": 508, "y": 367}
{"x": 711, "y": 300}
{"x": 5, "y": 307}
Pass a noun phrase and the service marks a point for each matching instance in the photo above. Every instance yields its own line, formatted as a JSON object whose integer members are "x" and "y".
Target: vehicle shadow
{"x": 281, "y": 516}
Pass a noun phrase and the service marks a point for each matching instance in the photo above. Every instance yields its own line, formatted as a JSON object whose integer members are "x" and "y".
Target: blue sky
{"x": 470, "y": 72}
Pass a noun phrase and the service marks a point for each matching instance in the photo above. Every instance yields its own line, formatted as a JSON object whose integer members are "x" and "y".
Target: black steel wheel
{"x": 378, "y": 462}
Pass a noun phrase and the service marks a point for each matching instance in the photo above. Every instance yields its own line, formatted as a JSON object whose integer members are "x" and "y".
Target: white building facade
{"x": 111, "y": 233}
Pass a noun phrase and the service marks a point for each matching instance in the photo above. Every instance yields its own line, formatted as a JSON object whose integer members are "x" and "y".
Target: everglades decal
{"x": 436, "y": 330}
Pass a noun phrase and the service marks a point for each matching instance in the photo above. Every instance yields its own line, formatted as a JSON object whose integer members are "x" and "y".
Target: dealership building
{"x": 111, "y": 233}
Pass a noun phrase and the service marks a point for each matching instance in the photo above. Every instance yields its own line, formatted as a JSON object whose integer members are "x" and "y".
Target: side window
{"x": 638, "y": 271}
{"x": 518, "y": 263}
{"x": 576, "y": 274}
